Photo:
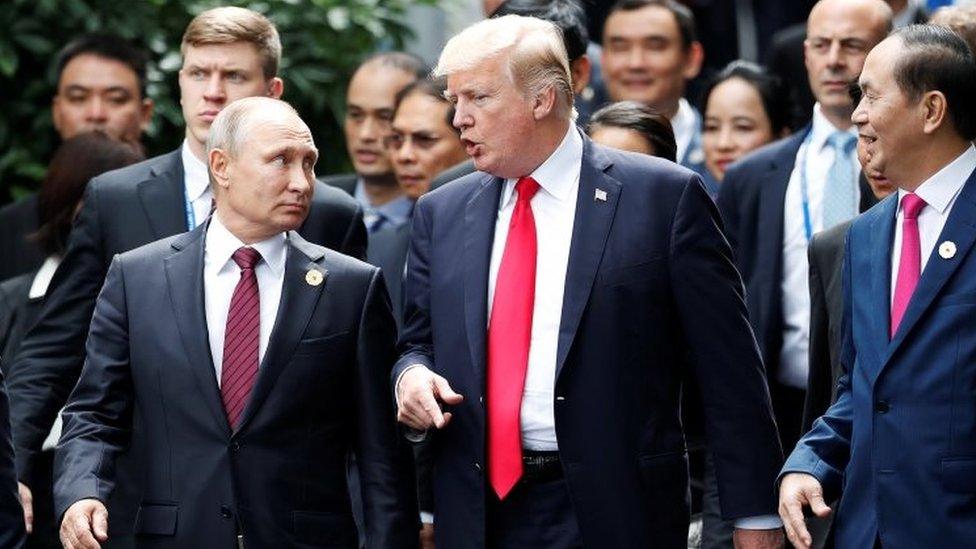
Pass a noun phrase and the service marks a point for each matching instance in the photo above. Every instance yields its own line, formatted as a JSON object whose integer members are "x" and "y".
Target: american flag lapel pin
{"x": 600, "y": 195}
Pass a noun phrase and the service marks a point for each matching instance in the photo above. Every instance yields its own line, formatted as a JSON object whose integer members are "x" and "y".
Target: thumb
{"x": 818, "y": 506}
{"x": 100, "y": 522}
{"x": 444, "y": 391}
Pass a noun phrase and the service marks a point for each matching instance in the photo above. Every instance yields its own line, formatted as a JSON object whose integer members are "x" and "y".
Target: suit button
{"x": 481, "y": 400}
{"x": 560, "y": 399}
{"x": 881, "y": 407}
{"x": 235, "y": 446}
{"x": 226, "y": 512}
{"x": 477, "y": 467}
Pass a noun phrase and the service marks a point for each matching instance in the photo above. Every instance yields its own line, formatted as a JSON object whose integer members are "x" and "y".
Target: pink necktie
{"x": 241, "y": 337}
{"x": 910, "y": 264}
{"x": 509, "y": 336}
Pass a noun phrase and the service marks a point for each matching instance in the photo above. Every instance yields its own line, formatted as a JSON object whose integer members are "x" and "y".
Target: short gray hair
{"x": 537, "y": 59}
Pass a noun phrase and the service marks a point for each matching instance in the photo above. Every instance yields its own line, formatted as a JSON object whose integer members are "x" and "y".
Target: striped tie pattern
{"x": 241, "y": 338}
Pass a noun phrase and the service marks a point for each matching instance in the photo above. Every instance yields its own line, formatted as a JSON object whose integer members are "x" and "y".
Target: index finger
{"x": 432, "y": 408}
{"x": 797, "y": 522}
{"x": 82, "y": 531}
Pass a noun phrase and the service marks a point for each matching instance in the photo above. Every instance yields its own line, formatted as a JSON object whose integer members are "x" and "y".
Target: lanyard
{"x": 804, "y": 197}
{"x": 191, "y": 218}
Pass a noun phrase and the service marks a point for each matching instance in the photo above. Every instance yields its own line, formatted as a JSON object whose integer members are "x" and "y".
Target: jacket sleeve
{"x": 98, "y": 417}
{"x": 819, "y": 377}
{"x": 51, "y": 355}
{"x": 11, "y": 514}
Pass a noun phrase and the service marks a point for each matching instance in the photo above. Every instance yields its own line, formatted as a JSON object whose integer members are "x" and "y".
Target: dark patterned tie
{"x": 241, "y": 338}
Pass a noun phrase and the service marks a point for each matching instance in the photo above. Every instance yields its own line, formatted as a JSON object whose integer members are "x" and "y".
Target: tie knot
{"x": 246, "y": 258}
{"x": 526, "y": 188}
{"x": 911, "y": 205}
{"x": 842, "y": 141}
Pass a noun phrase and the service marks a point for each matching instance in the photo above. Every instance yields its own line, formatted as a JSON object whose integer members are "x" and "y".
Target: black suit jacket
{"x": 650, "y": 284}
{"x": 11, "y": 514}
{"x": 17, "y": 221}
{"x": 17, "y": 314}
{"x": 826, "y": 257}
{"x": 346, "y": 182}
{"x": 123, "y": 209}
{"x": 280, "y": 477}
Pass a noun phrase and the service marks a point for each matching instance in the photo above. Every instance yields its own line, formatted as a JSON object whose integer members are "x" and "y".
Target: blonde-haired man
{"x": 228, "y": 54}
{"x": 563, "y": 288}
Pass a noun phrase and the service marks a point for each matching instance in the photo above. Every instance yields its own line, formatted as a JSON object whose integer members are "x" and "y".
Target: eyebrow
{"x": 78, "y": 87}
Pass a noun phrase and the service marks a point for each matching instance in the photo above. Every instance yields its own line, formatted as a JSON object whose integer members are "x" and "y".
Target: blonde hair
{"x": 230, "y": 24}
{"x": 537, "y": 57}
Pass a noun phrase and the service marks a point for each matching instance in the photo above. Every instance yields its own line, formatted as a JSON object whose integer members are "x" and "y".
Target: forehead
{"x": 376, "y": 85}
{"x": 732, "y": 97}
{"x": 643, "y": 22}
{"x": 840, "y": 21}
{"x": 239, "y": 55}
{"x": 278, "y": 130}
{"x": 879, "y": 65}
{"x": 421, "y": 112}
{"x": 490, "y": 73}
{"x": 90, "y": 70}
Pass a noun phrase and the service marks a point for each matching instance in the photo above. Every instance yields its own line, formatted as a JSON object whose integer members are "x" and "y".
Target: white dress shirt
{"x": 220, "y": 277}
{"x": 554, "y": 210}
{"x": 939, "y": 193}
{"x": 196, "y": 181}
{"x": 685, "y": 124}
{"x": 817, "y": 157}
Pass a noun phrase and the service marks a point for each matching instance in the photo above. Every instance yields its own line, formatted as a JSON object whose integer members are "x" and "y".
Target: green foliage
{"x": 323, "y": 40}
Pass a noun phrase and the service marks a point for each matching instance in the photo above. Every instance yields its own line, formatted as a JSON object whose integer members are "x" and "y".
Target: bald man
{"x": 246, "y": 415}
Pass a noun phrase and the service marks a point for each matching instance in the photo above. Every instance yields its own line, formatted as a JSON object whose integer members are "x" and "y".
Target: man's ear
{"x": 219, "y": 163}
{"x": 580, "y": 71}
{"x": 935, "y": 111}
{"x": 694, "y": 58}
{"x": 276, "y": 87}
{"x": 545, "y": 103}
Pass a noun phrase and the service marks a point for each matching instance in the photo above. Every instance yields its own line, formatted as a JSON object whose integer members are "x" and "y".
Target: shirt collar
{"x": 397, "y": 210}
{"x": 42, "y": 280}
{"x": 551, "y": 175}
{"x": 684, "y": 123}
{"x": 221, "y": 245}
{"x": 195, "y": 174}
{"x": 939, "y": 190}
{"x": 821, "y": 129}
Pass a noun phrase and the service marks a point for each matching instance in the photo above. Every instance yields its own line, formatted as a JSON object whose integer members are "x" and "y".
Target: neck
{"x": 841, "y": 119}
{"x": 549, "y": 135}
{"x": 381, "y": 189}
{"x": 240, "y": 228}
{"x": 198, "y": 149}
{"x": 929, "y": 159}
{"x": 670, "y": 110}
{"x": 898, "y": 6}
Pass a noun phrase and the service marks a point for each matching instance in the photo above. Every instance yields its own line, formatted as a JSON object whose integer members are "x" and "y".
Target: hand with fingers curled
{"x": 27, "y": 502}
{"x": 796, "y": 491}
{"x": 419, "y": 394}
{"x": 85, "y": 525}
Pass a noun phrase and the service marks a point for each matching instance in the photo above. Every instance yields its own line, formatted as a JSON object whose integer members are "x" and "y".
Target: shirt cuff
{"x": 426, "y": 518}
{"x": 761, "y": 522}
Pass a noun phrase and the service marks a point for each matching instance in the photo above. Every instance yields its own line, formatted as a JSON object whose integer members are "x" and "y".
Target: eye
{"x": 279, "y": 161}
{"x": 196, "y": 74}
{"x": 235, "y": 76}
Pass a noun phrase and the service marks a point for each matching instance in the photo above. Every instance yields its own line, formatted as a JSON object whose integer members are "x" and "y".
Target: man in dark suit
{"x": 281, "y": 352}
{"x": 11, "y": 514}
{"x": 564, "y": 430}
{"x": 101, "y": 85}
{"x": 154, "y": 199}
{"x": 370, "y": 102}
{"x": 898, "y": 444}
{"x": 774, "y": 200}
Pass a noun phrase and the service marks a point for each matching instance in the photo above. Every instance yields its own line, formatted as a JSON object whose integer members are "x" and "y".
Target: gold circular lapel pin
{"x": 313, "y": 277}
{"x": 947, "y": 250}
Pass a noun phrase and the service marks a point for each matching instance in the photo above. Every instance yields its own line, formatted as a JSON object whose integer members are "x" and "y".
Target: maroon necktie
{"x": 509, "y": 335}
{"x": 241, "y": 337}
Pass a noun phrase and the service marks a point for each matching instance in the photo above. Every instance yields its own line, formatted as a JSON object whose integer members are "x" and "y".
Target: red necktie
{"x": 910, "y": 263}
{"x": 241, "y": 337}
{"x": 509, "y": 336}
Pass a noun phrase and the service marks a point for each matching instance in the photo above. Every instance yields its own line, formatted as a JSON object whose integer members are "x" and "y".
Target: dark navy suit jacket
{"x": 899, "y": 445}
{"x": 11, "y": 514}
{"x": 280, "y": 477}
{"x": 651, "y": 290}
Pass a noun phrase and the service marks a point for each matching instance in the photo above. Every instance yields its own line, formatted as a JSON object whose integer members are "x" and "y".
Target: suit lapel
{"x": 960, "y": 228}
{"x": 590, "y": 231}
{"x": 164, "y": 198}
{"x": 184, "y": 276}
{"x": 480, "y": 215}
{"x": 882, "y": 233}
{"x": 298, "y": 301}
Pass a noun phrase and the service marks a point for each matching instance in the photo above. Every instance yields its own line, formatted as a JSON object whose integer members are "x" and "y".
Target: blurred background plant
{"x": 323, "y": 40}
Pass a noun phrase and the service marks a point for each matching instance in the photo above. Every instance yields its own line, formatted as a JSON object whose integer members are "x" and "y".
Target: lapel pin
{"x": 947, "y": 250}
{"x": 600, "y": 195}
{"x": 313, "y": 277}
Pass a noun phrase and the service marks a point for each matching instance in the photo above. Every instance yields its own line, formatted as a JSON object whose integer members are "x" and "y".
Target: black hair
{"x": 682, "y": 14}
{"x": 108, "y": 46}
{"x": 430, "y": 87}
{"x": 937, "y": 59}
{"x": 774, "y": 98}
{"x": 406, "y": 62}
{"x": 568, "y": 15}
{"x": 631, "y": 115}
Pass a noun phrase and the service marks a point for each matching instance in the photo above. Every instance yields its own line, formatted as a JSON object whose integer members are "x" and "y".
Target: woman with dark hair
{"x": 635, "y": 127}
{"x": 745, "y": 108}
{"x": 75, "y": 162}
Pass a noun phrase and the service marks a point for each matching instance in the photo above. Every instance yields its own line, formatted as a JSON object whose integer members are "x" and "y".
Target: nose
{"x": 215, "y": 89}
{"x": 834, "y": 56}
{"x": 462, "y": 117}
{"x": 407, "y": 153}
{"x": 369, "y": 130}
{"x": 860, "y": 115}
{"x": 96, "y": 111}
{"x": 635, "y": 59}
{"x": 299, "y": 180}
{"x": 725, "y": 141}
